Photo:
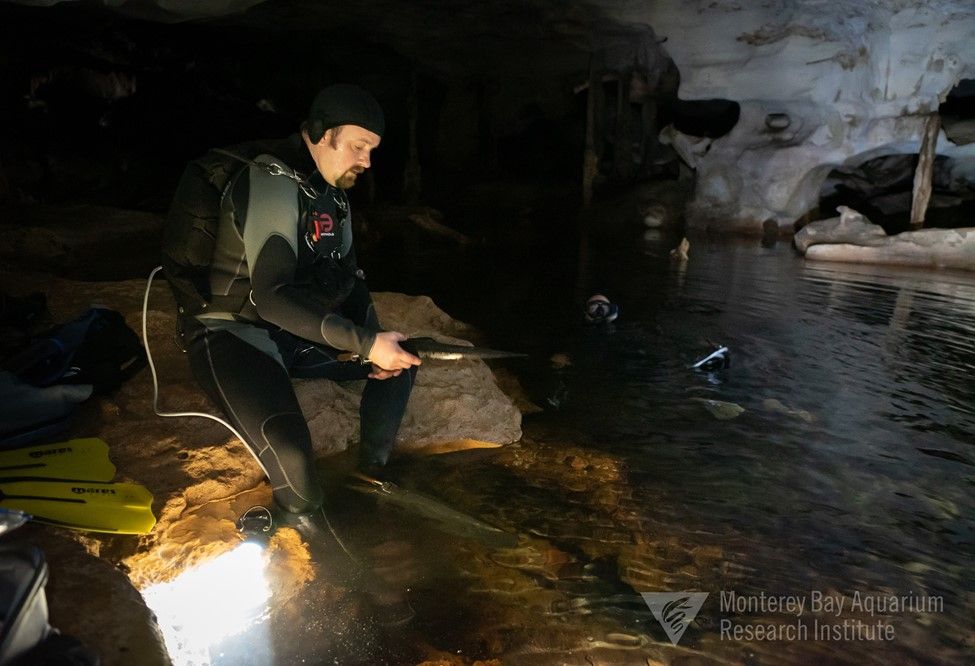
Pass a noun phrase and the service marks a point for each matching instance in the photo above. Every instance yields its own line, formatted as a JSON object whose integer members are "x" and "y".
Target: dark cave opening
{"x": 882, "y": 189}
{"x": 711, "y": 118}
{"x": 107, "y": 110}
{"x": 958, "y": 113}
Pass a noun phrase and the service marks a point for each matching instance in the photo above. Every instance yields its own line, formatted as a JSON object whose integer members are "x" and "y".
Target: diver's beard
{"x": 346, "y": 180}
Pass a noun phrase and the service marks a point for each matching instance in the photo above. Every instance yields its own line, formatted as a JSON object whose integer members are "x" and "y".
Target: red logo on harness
{"x": 322, "y": 223}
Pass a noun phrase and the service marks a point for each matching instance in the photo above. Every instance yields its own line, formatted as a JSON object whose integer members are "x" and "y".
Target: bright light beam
{"x": 207, "y": 604}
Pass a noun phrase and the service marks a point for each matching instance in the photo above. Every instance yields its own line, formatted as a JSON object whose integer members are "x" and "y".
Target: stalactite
{"x": 924, "y": 173}
{"x": 623, "y": 155}
{"x": 486, "y": 145}
{"x": 412, "y": 183}
{"x": 590, "y": 160}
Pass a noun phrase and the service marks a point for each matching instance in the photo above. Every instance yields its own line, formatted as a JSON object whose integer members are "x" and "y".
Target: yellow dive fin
{"x": 121, "y": 508}
{"x": 85, "y": 459}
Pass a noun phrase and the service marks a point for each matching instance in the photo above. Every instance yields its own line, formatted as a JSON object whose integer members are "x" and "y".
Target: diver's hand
{"x": 388, "y": 355}
{"x": 379, "y": 373}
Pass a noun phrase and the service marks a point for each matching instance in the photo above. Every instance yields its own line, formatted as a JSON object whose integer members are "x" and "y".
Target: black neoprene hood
{"x": 344, "y": 104}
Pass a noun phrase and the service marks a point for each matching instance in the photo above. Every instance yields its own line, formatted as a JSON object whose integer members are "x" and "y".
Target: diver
{"x": 282, "y": 296}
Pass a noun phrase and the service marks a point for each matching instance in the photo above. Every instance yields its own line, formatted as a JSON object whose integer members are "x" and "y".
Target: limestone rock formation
{"x": 816, "y": 85}
{"x": 854, "y": 81}
{"x": 849, "y": 227}
{"x": 852, "y": 237}
{"x": 929, "y": 248}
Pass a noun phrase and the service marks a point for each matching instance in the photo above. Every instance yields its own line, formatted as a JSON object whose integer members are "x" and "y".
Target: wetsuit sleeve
{"x": 371, "y": 320}
{"x": 271, "y": 249}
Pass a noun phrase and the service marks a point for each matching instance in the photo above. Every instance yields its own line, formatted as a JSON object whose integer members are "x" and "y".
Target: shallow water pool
{"x": 829, "y": 518}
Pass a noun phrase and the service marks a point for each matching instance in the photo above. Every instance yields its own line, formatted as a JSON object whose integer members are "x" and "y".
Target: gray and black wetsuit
{"x": 286, "y": 299}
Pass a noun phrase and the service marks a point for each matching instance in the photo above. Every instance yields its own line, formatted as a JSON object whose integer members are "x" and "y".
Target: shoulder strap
{"x": 275, "y": 170}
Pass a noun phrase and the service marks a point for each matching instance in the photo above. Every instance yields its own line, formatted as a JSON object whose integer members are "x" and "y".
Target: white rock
{"x": 850, "y": 227}
{"x": 690, "y": 148}
{"x": 932, "y": 248}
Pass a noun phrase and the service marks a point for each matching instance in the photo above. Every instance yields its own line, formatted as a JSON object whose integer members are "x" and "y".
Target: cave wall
{"x": 850, "y": 80}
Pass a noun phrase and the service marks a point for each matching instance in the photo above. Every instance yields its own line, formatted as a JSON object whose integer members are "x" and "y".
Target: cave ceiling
{"x": 447, "y": 39}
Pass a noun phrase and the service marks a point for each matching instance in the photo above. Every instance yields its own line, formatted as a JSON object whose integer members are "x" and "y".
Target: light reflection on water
{"x": 850, "y": 470}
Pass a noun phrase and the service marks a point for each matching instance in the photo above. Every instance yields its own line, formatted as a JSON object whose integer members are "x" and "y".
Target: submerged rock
{"x": 778, "y": 407}
{"x": 721, "y": 410}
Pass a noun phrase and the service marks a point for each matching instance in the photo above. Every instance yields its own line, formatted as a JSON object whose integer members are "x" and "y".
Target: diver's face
{"x": 344, "y": 153}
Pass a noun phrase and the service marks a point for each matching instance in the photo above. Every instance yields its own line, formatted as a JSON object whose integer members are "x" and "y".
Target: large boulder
{"x": 453, "y": 401}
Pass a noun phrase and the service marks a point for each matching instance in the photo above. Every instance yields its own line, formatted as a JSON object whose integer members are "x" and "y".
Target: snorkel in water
{"x": 716, "y": 360}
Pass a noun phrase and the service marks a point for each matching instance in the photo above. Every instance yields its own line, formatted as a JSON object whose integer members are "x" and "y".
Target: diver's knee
{"x": 405, "y": 380}
{"x": 290, "y": 464}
